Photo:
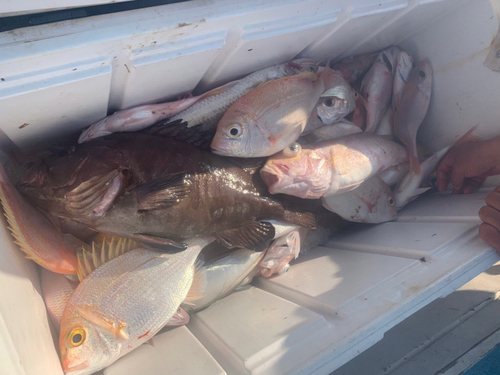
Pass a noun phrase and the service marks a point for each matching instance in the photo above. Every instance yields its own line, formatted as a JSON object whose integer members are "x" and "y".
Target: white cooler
{"x": 335, "y": 301}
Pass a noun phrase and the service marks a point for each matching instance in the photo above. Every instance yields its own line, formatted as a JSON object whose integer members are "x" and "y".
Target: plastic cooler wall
{"x": 335, "y": 301}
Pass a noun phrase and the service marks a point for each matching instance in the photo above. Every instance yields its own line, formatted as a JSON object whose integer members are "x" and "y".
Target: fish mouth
{"x": 219, "y": 152}
{"x": 271, "y": 177}
{"x": 69, "y": 370}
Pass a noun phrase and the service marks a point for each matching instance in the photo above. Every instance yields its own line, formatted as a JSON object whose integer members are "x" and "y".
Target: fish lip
{"x": 81, "y": 366}
{"x": 218, "y": 152}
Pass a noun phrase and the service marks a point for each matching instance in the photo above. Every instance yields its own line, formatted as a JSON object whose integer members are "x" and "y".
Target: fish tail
{"x": 303, "y": 219}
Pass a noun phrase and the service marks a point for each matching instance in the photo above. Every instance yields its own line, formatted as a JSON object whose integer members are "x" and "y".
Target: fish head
{"x": 304, "y": 173}
{"x": 237, "y": 136}
{"x": 85, "y": 348}
{"x": 385, "y": 208}
{"x": 299, "y": 66}
{"x": 421, "y": 76}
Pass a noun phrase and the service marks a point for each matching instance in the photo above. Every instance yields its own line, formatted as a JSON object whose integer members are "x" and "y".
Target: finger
{"x": 457, "y": 177}
{"x": 493, "y": 199}
{"x": 490, "y": 235}
{"x": 472, "y": 184}
{"x": 490, "y": 216}
{"x": 443, "y": 174}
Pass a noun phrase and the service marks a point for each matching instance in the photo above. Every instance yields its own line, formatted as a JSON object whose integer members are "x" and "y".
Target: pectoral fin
{"x": 180, "y": 318}
{"x": 253, "y": 236}
{"x": 163, "y": 192}
{"x": 117, "y": 327}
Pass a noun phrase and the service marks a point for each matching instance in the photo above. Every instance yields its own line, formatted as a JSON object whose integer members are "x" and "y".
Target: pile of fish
{"x": 191, "y": 199}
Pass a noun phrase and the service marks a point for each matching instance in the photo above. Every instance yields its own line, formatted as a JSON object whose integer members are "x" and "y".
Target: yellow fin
{"x": 117, "y": 327}
{"x": 16, "y": 232}
{"x": 102, "y": 253}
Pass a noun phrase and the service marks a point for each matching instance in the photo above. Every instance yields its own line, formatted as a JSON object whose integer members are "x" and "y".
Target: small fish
{"x": 354, "y": 67}
{"x": 135, "y": 119}
{"x": 411, "y": 185}
{"x": 35, "y": 234}
{"x": 330, "y": 167}
{"x": 337, "y": 102}
{"x": 271, "y": 116}
{"x": 56, "y": 290}
{"x": 197, "y": 124}
{"x": 123, "y": 304}
{"x": 386, "y": 126}
{"x": 281, "y": 252}
{"x": 412, "y": 109}
{"x": 327, "y": 132}
{"x": 370, "y": 202}
{"x": 404, "y": 64}
{"x": 223, "y": 276}
{"x": 377, "y": 86}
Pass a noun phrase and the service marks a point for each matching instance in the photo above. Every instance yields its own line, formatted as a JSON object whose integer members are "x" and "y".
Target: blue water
{"x": 489, "y": 365}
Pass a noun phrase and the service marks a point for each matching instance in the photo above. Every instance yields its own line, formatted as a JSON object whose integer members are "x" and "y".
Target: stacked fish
{"x": 136, "y": 230}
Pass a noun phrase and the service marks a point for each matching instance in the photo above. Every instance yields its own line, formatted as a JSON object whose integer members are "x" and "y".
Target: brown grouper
{"x": 157, "y": 191}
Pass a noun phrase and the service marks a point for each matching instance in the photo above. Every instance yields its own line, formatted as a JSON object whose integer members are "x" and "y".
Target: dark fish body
{"x": 155, "y": 190}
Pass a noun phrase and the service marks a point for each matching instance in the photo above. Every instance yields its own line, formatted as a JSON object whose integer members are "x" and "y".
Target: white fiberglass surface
{"x": 338, "y": 299}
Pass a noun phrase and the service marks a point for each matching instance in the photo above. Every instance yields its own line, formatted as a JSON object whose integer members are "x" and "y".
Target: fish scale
{"x": 140, "y": 291}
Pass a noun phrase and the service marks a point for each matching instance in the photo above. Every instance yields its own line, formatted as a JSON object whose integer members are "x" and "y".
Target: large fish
{"x": 156, "y": 190}
{"x": 123, "y": 304}
{"x": 35, "y": 234}
{"x": 412, "y": 109}
{"x": 330, "y": 167}
{"x": 271, "y": 116}
{"x": 377, "y": 87}
{"x": 354, "y": 67}
{"x": 370, "y": 202}
{"x": 197, "y": 124}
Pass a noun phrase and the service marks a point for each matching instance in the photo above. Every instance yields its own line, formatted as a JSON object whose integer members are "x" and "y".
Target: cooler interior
{"x": 338, "y": 299}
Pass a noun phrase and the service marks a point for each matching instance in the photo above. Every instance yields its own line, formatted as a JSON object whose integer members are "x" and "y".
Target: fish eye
{"x": 234, "y": 131}
{"x": 355, "y": 94}
{"x": 292, "y": 150}
{"x": 329, "y": 102}
{"x": 76, "y": 337}
{"x": 421, "y": 74}
{"x": 391, "y": 201}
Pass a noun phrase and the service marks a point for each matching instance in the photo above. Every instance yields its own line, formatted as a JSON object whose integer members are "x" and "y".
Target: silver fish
{"x": 198, "y": 123}
{"x": 122, "y": 304}
{"x": 370, "y": 202}
{"x": 337, "y": 102}
{"x": 223, "y": 276}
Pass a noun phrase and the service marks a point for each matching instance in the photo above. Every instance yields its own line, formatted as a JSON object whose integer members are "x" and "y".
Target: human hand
{"x": 467, "y": 165}
{"x": 489, "y": 231}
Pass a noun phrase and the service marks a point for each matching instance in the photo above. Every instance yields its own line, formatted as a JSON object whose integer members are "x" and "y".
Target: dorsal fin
{"x": 100, "y": 253}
